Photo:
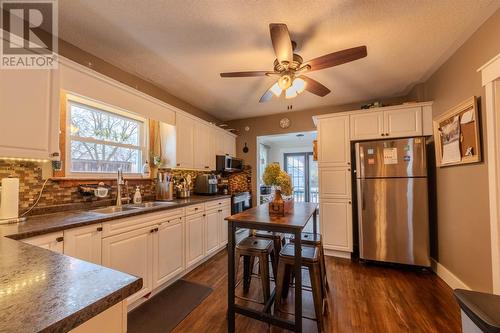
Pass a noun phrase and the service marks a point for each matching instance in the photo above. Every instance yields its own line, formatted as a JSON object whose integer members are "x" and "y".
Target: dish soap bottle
{"x": 146, "y": 170}
{"x": 137, "y": 195}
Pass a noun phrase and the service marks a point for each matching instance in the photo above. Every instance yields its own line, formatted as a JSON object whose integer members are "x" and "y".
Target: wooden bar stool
{"x": 310, "y": 260}
{"x": 309, "y": 238}
{"x": 251, "y": 248}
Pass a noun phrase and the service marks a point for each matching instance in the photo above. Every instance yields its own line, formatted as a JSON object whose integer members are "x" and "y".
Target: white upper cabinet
{"x": 29, "y": 113}
{"x": 184, "y": 141}
{"x": 367, "y": 125}
{"x": 203, "y": 146}
{"x": 333, "y": 141}
{"x": 403, "y": 122}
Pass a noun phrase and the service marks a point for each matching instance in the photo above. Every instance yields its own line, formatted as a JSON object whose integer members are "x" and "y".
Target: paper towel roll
{"x": 9, "y": 205}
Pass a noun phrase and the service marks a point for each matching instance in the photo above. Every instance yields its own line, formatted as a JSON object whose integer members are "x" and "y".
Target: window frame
{"x": 117, "y": 111}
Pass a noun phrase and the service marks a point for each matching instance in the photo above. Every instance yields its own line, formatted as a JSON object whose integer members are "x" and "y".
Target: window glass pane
{"x": 92, "y": 157}
{"x": 88, "y": 122}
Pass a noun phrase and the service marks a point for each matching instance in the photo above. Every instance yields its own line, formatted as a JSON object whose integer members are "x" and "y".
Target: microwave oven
{"x": 226, "y": 163}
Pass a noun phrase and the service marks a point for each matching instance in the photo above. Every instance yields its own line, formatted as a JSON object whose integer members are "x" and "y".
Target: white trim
{"x": 447, "y": 276}
{"x": 337, "y": 254}
{"x": 489, "y": 73}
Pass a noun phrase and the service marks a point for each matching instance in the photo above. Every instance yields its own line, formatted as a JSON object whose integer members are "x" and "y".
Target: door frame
{"x": 306, "y": 154}
{"x": 490, "y": 74}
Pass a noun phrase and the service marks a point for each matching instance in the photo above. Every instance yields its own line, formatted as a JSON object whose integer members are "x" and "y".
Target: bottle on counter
{"x": 137, "y": 195}
{"x": 146, "y": 170}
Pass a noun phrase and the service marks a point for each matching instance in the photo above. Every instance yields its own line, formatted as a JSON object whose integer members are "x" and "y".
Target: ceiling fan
{"x": 289, "y": 66}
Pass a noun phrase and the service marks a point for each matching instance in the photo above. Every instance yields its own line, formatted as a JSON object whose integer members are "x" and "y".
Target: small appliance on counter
{"x": 206, "y": 184}
{"x": 226, "y": 163}
{"x": 164, "y": 186}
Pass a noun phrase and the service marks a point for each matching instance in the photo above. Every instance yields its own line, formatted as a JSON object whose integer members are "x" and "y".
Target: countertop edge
{"x": 104, "y": 218}
{"x": 83, "y": 315}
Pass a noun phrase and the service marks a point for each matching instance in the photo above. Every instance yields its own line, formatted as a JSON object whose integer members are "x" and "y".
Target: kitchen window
{"x": 101, "y": 139}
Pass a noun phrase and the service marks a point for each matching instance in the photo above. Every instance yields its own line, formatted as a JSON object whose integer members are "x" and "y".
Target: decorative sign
{"x": 390, "y": 155}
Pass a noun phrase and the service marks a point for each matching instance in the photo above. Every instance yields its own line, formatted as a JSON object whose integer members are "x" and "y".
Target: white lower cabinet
{"x": 336, "y": 224}
{"x": 52, "y": 241}
{"x": 195, "y": 232}
{"x": 132, "y": 253}
{"x": 212, "y": 225}
{"x": 168, "y": 251}
{"x": 84, "y": 243}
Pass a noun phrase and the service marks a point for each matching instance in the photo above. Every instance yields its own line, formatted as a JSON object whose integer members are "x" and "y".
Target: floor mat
{"x": 168, "y": 308}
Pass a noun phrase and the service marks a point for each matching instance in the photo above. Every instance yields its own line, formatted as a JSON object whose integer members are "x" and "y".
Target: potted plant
{"x": 282, "y": 185}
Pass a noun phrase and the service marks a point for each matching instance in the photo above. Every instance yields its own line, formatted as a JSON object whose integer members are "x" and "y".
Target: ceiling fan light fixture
{"x": 285, "y": 82}
{"x": 276, "y": 90}
{"x": 290, "y": 93}
{"x": 299, "y": 85}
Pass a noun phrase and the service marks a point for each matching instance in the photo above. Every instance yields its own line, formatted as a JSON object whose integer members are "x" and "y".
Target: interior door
{"x": 303, "y": 171}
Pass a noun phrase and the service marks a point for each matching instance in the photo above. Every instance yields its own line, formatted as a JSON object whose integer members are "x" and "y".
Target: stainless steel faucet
{"x": 119, "y": 182}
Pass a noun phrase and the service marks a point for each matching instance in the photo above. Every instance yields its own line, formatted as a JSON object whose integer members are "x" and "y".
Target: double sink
{"x": 130, "y": 207}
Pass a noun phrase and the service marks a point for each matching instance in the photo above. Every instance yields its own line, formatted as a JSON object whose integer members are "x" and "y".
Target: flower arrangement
{"x": 274, "y": 176}
{"x": 281, "y": 181}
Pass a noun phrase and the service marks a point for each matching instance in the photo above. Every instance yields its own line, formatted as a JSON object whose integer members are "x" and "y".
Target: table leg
{"x": 298, "y": 282}
{"x": 231, "y": 278}
{"x": 315, "y": 221}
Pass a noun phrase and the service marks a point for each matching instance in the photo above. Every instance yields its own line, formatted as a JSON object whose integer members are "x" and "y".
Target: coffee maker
{"x": 206, "y": 184}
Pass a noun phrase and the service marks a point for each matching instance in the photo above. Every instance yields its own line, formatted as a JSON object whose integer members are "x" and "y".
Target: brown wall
{"x": 300, "y": 121}
{"x": 463, "y": 231}
{"x": 84, "y": 58}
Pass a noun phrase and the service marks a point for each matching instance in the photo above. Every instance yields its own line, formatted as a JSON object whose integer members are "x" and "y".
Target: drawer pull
{"x": 59, "y": 239}
{"x": 99, "y": 228}
{"x": 195, "y": 208}
{"x": 204, "y": 214}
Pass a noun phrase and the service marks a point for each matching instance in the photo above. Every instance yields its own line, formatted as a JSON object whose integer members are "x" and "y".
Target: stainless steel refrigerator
{"x": 392, "y": 201}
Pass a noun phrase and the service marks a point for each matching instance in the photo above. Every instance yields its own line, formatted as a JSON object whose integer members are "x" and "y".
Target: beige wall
{"x": 84, "y": 58}
{"x": 463, "y": 230}
{"x": 300, "y": 121}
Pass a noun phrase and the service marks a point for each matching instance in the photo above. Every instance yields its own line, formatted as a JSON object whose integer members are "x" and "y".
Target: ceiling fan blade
{"x": 246, "y": 74}
{"x": 315, "y": 87}
{"x": 337, "y": 58}
{"x": 282, "y": 44}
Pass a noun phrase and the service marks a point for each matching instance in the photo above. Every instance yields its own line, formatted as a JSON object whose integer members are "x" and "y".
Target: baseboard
{"x": 448, "y": 277}
{"x": 337, "y": 254}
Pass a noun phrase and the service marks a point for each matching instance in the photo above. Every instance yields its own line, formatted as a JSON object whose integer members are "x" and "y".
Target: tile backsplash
{"x": 59, "y": 195}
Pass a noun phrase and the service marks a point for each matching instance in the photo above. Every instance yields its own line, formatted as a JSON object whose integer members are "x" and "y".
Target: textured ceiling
{"x": 182, "y": 45}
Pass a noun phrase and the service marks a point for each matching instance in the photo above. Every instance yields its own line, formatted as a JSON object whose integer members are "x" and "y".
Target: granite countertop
{"x": 44, "y": 291}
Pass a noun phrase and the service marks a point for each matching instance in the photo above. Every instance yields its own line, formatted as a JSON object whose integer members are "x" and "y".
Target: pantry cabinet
{"x": 53, "y": 241}
{"x": 84, "y": 243}
{"x": 131, "y": 252}
{"x": 168, "y": 251}
{"x": 335, "y": 182}
{"x": 333, "y": 141}
{"x": 336, "y": 224}
{"x": 29, "y": 125}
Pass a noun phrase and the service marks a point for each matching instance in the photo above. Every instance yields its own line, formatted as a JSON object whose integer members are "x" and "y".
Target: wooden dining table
{"x": 258, "y": 218}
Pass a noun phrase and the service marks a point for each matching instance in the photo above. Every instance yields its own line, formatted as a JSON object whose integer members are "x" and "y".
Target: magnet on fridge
{"x": 407, "y": 158}
{"x": 371, "y": 151}
{"x": 371, "y": 161}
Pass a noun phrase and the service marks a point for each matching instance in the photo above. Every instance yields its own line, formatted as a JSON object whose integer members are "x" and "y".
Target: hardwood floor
{"x": 362, "y": 298}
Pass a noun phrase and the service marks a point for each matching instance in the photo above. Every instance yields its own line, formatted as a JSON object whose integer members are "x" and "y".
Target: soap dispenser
{"x": 137, "y": 195}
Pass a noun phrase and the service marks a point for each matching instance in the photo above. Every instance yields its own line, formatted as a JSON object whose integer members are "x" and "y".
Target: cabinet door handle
{"x": 99, "y": 228}
{"x": 383, "y": 134}
{"x": 204, "y": 214}
{"x": 207, "y": 167}
{"x": 151, "y": 231}
{"x": 350, "y": 202}
{"x": 178, "y": 164}
{"x": 156, "y": 229}
{"x": 349, "y": 169}
{"x": 386, "y": 134}
{"x": 59, "y": 239}
{"x": 195, "y": 208}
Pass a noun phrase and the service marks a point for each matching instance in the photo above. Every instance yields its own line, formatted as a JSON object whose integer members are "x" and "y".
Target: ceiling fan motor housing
{"x": 294, "y": 65}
